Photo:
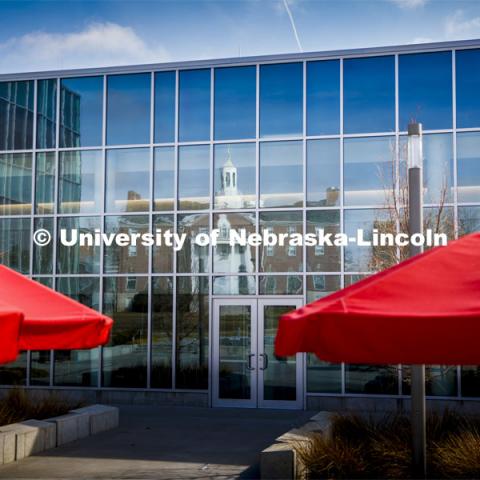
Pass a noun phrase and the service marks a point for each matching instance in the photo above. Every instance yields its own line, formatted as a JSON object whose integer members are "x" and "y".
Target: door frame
{"x": 256, "y": 348}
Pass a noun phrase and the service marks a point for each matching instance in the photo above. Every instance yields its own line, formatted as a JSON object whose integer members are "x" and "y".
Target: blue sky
{"x": 50, "y": 34}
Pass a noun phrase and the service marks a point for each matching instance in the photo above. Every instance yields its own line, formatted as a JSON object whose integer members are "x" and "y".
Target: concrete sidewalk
{"x": 156, "y": 442}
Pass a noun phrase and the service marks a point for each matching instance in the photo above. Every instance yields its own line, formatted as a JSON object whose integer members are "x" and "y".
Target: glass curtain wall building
{"x": 292, "y": 143}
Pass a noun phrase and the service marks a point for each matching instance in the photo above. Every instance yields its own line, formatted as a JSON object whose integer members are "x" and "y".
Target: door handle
{"x": 264, "y": 361}
{"x": 249, "y": 361}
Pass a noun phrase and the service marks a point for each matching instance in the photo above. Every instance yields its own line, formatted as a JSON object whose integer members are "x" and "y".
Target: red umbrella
{"x": 34, "y": 317}
{"x": 426, "y": 310}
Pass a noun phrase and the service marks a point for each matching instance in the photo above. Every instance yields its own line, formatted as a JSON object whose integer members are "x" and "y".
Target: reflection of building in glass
{"x": 285, "y": 144}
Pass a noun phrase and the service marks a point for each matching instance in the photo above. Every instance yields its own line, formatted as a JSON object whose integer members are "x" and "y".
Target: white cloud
{"x": 423, "y": 40}
{"x": 457, "y": 26}
{"x": 409, "y": 3}
{"x": 98, "y": 44}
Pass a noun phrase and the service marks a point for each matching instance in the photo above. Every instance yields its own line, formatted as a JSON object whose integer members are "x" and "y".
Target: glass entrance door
{"x": 234, "y": 353}
{"x": 246, "y": 372}
{"x": 279, "y": 378}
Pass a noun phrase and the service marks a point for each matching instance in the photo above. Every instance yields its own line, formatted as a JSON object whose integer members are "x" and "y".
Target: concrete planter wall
{"x": 20, "y": 440}
{"x": 280, "y": 462}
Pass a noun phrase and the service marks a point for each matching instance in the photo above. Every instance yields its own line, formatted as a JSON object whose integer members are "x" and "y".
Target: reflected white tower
{"x": 229, "y": 195}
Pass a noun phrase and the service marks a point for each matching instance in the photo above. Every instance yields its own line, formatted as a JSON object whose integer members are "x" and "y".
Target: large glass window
{"x": 128, "y": 180}
{"x": 467, "y": 66}
{"x": 438, "y": 168}
{"x": 323, "y": 258}
{"x": 164, "y": 178}
{"x": 281, "y": 174}
{"x": 234, "y": 285}
{"x": 369, "y": 95}
{"x": 323, "y": 377}
{"x": 125, "y": 299}
{"x": 192, "y": 333}
{"x": 43, "y": 255}
{"x": 194, "y": 177}
{"x": 78, "y": 259}
{"x": 367, "y": 259}
{"x": 16, "y": 115}
{"x": 80, "y": 181}
{"x": 162, "y": 332}
{"x": 45, "y": 183}
{"x": 16, "y": 184}
{"x": 280, "y": 285}
{"x": 164, "y": 107}
{"x": 323, "y": 172}
{"x": 132, "y": 258}
{"x": 235, "y": 182}
{"x": 371, "y": 379}
{"x": 78, "y": 368}
{"x": 468, "y": 166}
{"x": 40, "y": 368}
{"x": 323, "y": 97}
{"x": 15, "y": 240}
{"x": 233, "y": 258}
{"x": 193, "y": 257}
{"x": 468, "y": 220}
{"x": 14, "y": 373}
{"x": 281, "y": 258}
{"x": 235, "y": 101}
{"x": 163, "y": 254}
{"x": 194, "y": 105}
{"x": 369, "y": 170}
{"x": 81, "y": 112}
{"x": 425, "y": 90}
{"x": 128, "y": 109}
{"x": 281, "y": 100}
{"x": 46, "y": 113}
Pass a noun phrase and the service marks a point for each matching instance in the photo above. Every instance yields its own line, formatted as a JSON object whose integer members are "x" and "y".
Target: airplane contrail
{"x": 294, "y": 28}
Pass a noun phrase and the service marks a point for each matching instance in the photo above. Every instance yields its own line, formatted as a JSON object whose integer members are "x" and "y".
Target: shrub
{"x": 17, "y": 405}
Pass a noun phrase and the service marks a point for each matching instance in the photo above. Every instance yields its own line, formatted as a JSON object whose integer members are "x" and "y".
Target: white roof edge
{"x": 283, "y": 57}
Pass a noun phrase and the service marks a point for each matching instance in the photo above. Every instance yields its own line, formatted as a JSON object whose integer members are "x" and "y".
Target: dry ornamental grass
{"x": 17, "y": 405}
{"x": 366, "y": 448}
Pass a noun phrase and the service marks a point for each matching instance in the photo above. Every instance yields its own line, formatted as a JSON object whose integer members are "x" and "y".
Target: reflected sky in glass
{"x": 235, "y": 167}
{"x": 235, "y": 102}
{"x": 425, "y": 90}
{"x": 323, "y": 97}
{"x": 164, "y": 178}
{"x": 128, "y": 109}
{"x": 193, "y": 177}
{"x": 438, "y": 168}
{"x": 164, "y": 107}
{"x": 281, "y": 174}
{"x": 468, "y": 166}
{"x": 16, "y": 115}
{"x": 81, "y": 111}
{"x": 128, "y": 184}
{"x": 194, "y": 105}
{"x": 368, "y": 170}
{"x": 281, "y": 100}
{"x": 467, "y": 65}
{"x": 80, "y": 181}
{"x": 323, "y": 172}
{"x": 369, "y": 95}
{"x": 46, "y": 113}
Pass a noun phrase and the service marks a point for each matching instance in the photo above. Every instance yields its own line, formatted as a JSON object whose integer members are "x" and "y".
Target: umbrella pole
{"x": 419, "y": 434}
